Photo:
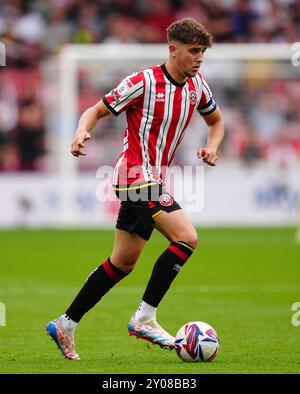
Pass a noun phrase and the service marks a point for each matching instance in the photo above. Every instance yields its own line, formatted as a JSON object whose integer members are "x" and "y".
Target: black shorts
{"x": 139, "y": 206}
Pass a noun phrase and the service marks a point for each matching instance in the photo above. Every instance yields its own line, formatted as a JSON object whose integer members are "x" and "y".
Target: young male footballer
{"x": 159, "y": 103}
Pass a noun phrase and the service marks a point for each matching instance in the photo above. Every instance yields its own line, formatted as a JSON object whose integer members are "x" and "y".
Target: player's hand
{"x": 78, "y": 143}
{"x": 208, "y": 156}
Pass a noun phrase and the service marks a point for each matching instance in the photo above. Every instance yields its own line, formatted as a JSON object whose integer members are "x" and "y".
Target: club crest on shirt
{"x": 193, "y": 97}
{"x": 166, "y": 200}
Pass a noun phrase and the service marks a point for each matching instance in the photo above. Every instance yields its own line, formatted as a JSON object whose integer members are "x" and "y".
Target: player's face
{"x": 190, "y": 58}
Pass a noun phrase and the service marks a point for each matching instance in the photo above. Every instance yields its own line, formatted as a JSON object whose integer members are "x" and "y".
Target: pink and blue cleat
{"x": 63, "y": 340}
{"x": 152, "y": 332}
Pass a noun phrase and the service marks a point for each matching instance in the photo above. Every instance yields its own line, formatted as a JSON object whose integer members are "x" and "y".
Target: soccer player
{"x": 159, "y": 103}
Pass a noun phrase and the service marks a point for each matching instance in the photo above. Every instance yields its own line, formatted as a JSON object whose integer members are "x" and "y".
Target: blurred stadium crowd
{"x": 34, "y": 30}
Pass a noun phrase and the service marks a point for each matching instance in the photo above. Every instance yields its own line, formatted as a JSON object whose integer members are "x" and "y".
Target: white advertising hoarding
{"x": 229, "y": 194}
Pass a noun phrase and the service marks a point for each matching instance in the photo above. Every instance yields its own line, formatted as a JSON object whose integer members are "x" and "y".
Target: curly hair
{"x": 189, "y": 31}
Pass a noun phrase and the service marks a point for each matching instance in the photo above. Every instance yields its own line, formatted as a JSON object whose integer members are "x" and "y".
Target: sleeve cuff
{"x": 109, "y": 107}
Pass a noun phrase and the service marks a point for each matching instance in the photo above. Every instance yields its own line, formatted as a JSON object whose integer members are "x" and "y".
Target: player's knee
{"x": 127, "y": 265}
{"x": 125, "y": 261}
{"x": 191, "y": 239}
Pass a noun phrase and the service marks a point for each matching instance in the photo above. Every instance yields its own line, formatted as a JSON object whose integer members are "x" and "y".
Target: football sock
{"x": 68, "y": 324}
{"x": 165, "y": 271}
{"x": 101, "y": 280}
{"x": 145, "y": 313}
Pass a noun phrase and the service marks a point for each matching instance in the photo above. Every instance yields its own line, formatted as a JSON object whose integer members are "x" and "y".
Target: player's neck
{"x": 175, "y": 73}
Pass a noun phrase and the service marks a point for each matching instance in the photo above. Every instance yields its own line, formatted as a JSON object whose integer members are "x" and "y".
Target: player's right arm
{"x": 127, "y": 94}
{"x": 86, "y": 124}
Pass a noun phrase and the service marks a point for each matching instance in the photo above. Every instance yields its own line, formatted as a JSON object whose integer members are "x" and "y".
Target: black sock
{"x": 165, "y": 271}
{"x": 100, "y": 281}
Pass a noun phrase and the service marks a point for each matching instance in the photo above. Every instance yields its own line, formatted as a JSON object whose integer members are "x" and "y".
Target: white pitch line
{"x": 226, "y": 288}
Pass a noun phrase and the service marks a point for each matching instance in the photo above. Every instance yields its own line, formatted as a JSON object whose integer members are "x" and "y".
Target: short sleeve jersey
{"x": 158, "y": 111}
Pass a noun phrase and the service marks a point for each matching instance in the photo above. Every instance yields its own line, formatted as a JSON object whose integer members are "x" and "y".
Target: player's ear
{"x": 172, "y": 49}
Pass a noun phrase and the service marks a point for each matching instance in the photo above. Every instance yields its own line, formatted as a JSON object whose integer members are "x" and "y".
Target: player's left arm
{"x": 216, "y": 129}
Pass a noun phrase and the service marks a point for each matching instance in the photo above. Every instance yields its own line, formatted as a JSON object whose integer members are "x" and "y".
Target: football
{"x": 197, "y": 342}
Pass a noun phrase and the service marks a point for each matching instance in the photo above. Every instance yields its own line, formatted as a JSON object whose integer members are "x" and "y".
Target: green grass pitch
{"x": 241, "y": 281}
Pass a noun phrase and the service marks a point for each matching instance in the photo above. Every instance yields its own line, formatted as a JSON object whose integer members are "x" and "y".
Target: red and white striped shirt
{"x": 158, "y": 110}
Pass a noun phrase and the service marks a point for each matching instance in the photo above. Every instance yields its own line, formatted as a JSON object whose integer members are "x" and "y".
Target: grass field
{"x": 241, "y": 281}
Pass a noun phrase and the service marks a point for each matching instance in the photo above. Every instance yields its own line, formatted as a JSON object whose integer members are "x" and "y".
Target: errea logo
{"x": 160, "y": 97}
{"x": 177, "y": 267}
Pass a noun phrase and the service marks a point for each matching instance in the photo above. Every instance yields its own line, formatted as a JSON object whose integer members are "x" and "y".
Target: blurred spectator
{"x": 60, "y": 29}
{"x": 121, "y": 29}
{"x": 242, "y": 18}
{"x": 281, "y": 151}
{"x": 220, "y": 21}
{"x": 87, "y": 27}
{"x": 159, "y": 15}
{"x": 193, "y": 8}
{"x": 252, "y": 149}
{"x": 266, "y": 118}
{"x": 30, "y": 27}
{"x": 29, "y": 137}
